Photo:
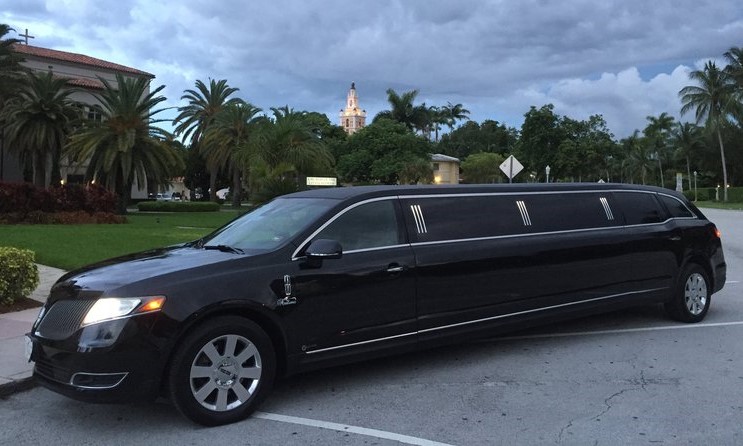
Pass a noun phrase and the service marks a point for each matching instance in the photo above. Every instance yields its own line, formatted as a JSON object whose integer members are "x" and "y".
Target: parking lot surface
{"x": 631, "y": 377}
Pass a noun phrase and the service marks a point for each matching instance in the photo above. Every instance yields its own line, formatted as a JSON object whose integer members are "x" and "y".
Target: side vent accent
{"x": 420, "y": 222}
{"x": 607, "y": 209}
{"x": 524, "y": 213}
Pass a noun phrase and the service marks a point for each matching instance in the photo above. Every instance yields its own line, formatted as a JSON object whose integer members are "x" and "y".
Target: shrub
{"x": 19, "y": 275}
{"x": 25, "y": 203}
{"x": 178, "y": 206}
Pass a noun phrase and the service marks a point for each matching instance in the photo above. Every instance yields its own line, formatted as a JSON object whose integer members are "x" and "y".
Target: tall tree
{"x": 11, "y": 70}
{"x": 454, "y": 113}
{"x": 231, "y": 133}
{"x": 126, "y": 146}
{"x": 204, "y": 103}
{"x": 686, "y": 139}
{"x": 11, "y": 78}
{"x": 657, "y": 134}
{"x": 39, "y": 119}
{"x": 712, "y": 99}
{"x": 286, "y": 148}
{"x": 403, "y": 110}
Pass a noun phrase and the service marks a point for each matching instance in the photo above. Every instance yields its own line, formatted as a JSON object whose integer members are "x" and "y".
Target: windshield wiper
{"x": 225, "y": 248}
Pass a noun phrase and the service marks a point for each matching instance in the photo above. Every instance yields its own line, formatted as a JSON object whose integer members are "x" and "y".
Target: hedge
{"x": 178, "y": 206}
{"x": 19, "y": 275}
{"x": 23, "y": 198}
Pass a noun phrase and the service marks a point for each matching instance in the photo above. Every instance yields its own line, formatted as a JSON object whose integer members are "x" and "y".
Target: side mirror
{"x": 321, "y": 249}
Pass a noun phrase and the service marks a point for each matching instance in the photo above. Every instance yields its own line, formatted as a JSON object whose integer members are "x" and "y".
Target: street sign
{"x": 322, "y": 181}
{"x": 511, "y": 167}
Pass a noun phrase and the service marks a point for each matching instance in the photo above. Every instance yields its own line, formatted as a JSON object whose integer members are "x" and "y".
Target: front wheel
{"x": 691, "y": 295}
{"x": 221, "y": 371}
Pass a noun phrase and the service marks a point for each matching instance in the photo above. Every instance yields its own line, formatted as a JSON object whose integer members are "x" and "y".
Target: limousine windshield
{"x": 269, "y": 226}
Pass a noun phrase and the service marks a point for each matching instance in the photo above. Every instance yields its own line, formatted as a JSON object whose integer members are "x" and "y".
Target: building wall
{"x": 445, "y": 172}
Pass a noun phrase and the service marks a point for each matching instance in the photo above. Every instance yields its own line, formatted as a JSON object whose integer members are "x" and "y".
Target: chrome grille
{"x": 63, "y": 319}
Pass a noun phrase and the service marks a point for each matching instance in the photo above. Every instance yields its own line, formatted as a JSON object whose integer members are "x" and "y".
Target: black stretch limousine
{"x": 322, "y": 277}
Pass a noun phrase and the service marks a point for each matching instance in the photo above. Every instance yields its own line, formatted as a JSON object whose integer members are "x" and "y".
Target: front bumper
{"x": 113, "y": 361}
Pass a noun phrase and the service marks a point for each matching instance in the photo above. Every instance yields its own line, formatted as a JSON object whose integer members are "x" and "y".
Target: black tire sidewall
{"x": 677, "y": 307}
{"x": 179, "y": 376}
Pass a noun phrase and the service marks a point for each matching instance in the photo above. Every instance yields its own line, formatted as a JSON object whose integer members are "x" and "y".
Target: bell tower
{"x": 352, "y": 118}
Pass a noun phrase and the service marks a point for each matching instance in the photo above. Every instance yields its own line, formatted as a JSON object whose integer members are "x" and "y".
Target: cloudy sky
{"x": 624, "y": 59}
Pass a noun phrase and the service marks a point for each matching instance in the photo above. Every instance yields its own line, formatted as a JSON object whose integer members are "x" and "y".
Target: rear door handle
{"x": 395, "y": 269}
{"x": 675, "y": 238}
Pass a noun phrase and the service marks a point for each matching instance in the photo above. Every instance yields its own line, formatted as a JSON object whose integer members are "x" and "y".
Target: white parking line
{"x": 618, "y": 331}
{"x": 731, "y": 281}
{"x": 406, "y": 439}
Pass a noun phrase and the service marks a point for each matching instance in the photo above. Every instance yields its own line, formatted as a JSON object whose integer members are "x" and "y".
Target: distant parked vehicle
{"x": 176, "y": 196}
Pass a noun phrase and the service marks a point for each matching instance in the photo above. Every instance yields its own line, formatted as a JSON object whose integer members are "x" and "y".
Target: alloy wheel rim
{"x": 225, "y": 373}
{"x": 695, "y": 294}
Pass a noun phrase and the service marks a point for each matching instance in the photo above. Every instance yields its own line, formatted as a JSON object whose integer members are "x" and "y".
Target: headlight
{"x": 109, "y": 308}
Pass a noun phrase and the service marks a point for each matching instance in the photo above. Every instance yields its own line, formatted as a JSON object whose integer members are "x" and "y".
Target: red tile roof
{"x": 80, "y": 59}
{"x": 93, "y": 84}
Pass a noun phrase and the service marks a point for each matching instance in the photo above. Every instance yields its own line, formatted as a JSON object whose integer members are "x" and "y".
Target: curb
{"x": 19, "y": 385}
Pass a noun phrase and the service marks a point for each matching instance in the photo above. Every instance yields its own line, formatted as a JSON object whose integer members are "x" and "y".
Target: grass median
{"x": 72, "y": 246}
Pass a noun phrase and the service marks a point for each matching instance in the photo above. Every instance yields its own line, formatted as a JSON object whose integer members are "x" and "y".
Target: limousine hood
{"x": 112, "y": 274}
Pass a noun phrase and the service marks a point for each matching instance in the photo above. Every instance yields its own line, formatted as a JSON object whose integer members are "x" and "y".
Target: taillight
{"x": 717, "y": 232}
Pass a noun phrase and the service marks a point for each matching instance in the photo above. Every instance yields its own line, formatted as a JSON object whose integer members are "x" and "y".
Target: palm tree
{"x": 11, "y": 77}
{"x": 686, "y": 139}
{"x": 230, "y": 135}
{"x": 11, "y": 70}
{"x": 657, "y": 133}
{"x": 454, "y": 113}
{"x": 39, "y": 119}
{"x": 286, "y": 146}
{"x": 402, "y": 109}
{"x": 734, "y": 70}
{"x": 637, "y": 159}
{"x": 712, "y": 100}
{"x": 204, "y": 103}
{"x": 126, "y": 147}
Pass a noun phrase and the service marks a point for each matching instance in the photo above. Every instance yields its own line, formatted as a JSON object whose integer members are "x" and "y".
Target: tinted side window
{"x": 639, "y": 208}
{"x": 567, "y": 211}
{"x": 370, "y": 225}
{"x": 456, "y": 218}
{"x": 675, "y": 207}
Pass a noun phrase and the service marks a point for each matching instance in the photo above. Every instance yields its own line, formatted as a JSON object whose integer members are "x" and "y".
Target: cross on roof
{"x": 27, "y": 36}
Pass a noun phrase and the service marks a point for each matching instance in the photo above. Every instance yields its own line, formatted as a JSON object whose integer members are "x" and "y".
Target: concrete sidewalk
{"x": 15, "y": 371}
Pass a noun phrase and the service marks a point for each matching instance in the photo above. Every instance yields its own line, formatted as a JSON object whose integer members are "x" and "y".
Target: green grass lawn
{"x": 719, "y": 205}
{"x": 73, "y": 246}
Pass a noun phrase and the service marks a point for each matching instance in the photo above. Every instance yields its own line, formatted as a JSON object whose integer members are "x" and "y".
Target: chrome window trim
{"x": 485, "y": 319}
{"x": 694, "y": 215}
{"x": 524, "y": 212}
{"x": 607, "y": 208}
{"x": 420, "y": 221}
{"x": 335, "y": 217}
{"x": 486, "y": 194}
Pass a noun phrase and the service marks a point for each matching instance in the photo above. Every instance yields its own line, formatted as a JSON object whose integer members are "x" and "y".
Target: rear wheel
{"x": 691, "y": 296}
{"x": 222, "y": 371}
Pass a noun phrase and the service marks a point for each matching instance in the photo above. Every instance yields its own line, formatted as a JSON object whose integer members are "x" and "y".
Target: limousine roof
{"x": 342, "y": 193}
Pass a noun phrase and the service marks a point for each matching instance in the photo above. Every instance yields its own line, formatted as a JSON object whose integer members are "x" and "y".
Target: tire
{"x": 222, "y": 371}
{"x": 691, "y": 295}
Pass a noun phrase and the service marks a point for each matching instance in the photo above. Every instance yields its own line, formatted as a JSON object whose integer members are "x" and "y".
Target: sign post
{"x": 511, "y": 167}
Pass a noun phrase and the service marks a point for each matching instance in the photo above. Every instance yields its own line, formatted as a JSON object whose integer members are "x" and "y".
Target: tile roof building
{"x": 84, "y": 73}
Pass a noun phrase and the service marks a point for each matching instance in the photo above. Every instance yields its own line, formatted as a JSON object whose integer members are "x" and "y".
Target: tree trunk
{"x": 123, "y": 192}
{"x": 39, "y": 170}
{"x": 55, "y": 175}
{"x": 688, "y": 172}
{"x": 236, "y": 188}
{"x": 213, "y": 184}
{"x": 724, "y": 168}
